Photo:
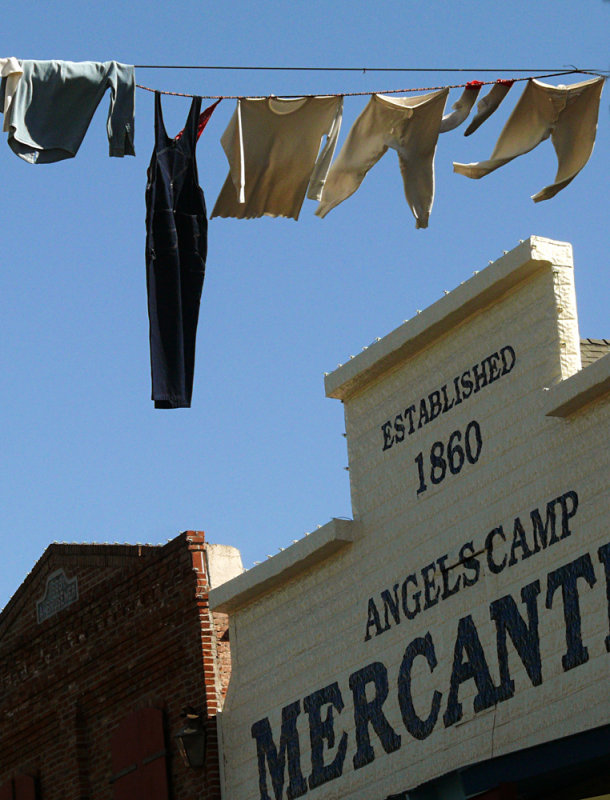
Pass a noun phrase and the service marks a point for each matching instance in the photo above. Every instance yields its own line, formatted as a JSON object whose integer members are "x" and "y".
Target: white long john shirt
{"x": 272, "y": 145}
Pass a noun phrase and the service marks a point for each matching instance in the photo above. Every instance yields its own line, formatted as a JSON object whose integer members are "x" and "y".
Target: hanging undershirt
{"x": 568, "y": 114}
{"x": 409, "y": 125}
{"x": 272, "y": 147}
{"x": 10, "y": 72}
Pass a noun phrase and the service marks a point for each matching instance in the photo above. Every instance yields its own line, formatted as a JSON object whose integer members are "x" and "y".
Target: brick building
{"x": 101, "y": 649}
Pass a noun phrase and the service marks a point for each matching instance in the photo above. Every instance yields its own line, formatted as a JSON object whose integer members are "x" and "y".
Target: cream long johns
{"x": 488, "y": 104}
{"x": 461, "y": 108}
{"x": 409, "y": 125}
{"x": 568, "y": 114}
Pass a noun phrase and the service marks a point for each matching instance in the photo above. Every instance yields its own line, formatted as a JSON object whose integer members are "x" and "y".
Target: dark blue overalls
{"x": 176, "y": 249}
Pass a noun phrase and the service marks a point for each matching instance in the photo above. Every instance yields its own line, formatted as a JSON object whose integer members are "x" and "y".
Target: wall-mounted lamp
{"x": 192, "y": 739}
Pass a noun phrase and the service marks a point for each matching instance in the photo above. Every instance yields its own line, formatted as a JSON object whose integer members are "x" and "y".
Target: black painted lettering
{"x": 368, "y": 713}
{"x": 446, "y": 405}
{"x": 604, "y": 556}
{"x": 455, "y": 453}
{"x": 419, "y": 460}
{"x": 480, "y": 376}
{"x": 424, "y": 418}
{"x": 448, "y": 591}
{"x": 493, "y": 565}
{"x": 388, "y": 438}
{"x": 569, "y": 507}
{"x": 472, "y": 454}
{"x": 321, "y": 731}
{"x": 409, "y": 413}
{"x": 455, "y": 457}
{"x": 494, "y": 367}
{"x": 434, "y": 399}
{"x": 541, "y": 532}
{"x": 509, "y": 359}
{"x": 410, "y": 613}
{"x": 450, "y": 394}
{"x": 391, "y": 604}
{"x": 466, "y": 385}
{"x": 524, "y": 636}
{"x": 567, "y": 577}
{"x": 519, "y": 543}
{"x": 268, "y": 756}
{"x": 431, "y": 590}
{"x": 418, "y": 728}
{"x": 467, "y": 643}
{"x": 438, "y": 468}
{"x": 373, "y": 621}
{"x": 468, "y": 559}
{"x": 399, "y": 428}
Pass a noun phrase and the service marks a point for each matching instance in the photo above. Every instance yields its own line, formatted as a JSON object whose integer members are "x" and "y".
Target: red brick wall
{"x": 140, "y": 635}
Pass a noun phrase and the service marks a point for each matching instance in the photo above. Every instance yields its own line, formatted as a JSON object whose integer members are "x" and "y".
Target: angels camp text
{"x": 374, "y": 689}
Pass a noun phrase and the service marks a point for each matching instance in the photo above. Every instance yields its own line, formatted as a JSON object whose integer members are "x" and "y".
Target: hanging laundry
{"x": 272, "y": 146}
{"x": 54, "y": 102}
{"x": 10, "y": 72}
{"x": 409, "y": 125}
{"x": 176, "y": 250}
{"x": 488, "y": 104}
{"x": 461, "y": 108}
{"x": 568, "y": 114}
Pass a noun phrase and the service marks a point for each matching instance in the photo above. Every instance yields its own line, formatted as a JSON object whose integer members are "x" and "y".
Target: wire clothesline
{"x": 570, "y": 71}
{"x": 366, "y": 69}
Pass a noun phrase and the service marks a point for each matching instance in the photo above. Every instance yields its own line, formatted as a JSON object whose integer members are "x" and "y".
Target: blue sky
{"x": 259, "y": 458}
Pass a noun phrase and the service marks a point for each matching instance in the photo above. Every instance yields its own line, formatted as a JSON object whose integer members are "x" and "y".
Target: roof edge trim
{"x": 474, "y": 294}
{"x": 591, "y": 383}
{"x": 318, "y": 545}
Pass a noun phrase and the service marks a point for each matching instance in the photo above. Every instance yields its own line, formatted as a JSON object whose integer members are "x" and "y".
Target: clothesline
{"x": 279, "y": 149}
{"x": 358, "y": 93}
{"x": 365, "y": 69}
{"x": 282, "y": 149}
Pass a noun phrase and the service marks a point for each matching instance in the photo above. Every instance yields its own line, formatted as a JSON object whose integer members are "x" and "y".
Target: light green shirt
{"x": 54, "y": 101}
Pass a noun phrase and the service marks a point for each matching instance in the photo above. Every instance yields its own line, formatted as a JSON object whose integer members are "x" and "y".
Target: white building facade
{"x": 453, "y": 639}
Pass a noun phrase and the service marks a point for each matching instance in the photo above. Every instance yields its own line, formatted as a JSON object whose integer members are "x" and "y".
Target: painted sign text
{"x": 451, "y": 394}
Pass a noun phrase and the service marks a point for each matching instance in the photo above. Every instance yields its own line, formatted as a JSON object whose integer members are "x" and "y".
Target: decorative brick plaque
{"x": 59, "y": 593}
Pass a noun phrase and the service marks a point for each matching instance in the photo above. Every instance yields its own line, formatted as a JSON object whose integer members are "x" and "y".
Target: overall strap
{"x": 192, "y": 122}
{"x": 204, "y": 118}
{"x": 160, "y": 132}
